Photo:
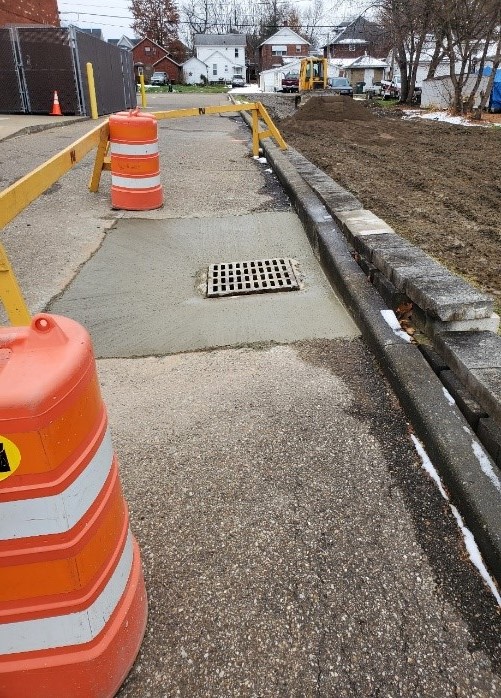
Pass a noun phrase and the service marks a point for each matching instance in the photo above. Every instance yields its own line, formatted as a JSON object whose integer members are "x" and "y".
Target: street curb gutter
{"x": 466, "y": 469}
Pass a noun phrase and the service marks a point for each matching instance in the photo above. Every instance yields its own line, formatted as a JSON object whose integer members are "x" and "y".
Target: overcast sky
{"x": 115, "y": 19}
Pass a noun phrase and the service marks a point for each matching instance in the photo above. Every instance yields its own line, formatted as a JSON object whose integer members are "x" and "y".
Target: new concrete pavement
{"x": 292, "y": 543}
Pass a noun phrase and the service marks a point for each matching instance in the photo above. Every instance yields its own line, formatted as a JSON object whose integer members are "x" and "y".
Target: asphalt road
{"x": 292, "y": 543}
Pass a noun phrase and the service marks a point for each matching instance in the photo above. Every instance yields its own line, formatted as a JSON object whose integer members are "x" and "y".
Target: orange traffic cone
{"x": 56, "y": 109}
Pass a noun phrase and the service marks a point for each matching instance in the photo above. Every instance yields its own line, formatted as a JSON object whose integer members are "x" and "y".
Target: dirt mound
{"x": 335, "y": 108}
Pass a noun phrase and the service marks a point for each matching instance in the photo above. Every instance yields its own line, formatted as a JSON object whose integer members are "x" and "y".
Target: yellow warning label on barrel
{"x": 10, "y": 457}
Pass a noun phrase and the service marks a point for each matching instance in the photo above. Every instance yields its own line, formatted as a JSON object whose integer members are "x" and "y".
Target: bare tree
{"x": 156, "y": 19}
{"x": 469, "y": 27}
{"x": 312, "y": 18}
{"x": 477, "y": 114}
{"x": 408, "y": 22}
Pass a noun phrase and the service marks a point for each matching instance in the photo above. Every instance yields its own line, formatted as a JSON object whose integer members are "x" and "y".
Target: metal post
{"x": 143, "y": 91}
{"x": 92, "y": 90}
{"x": 10, "y": 293}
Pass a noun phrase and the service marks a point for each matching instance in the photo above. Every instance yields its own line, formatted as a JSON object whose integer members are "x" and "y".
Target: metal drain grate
{"x": 255, "y": 276}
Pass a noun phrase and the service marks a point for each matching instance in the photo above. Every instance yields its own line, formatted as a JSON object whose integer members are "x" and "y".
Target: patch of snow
{"x": 268, "y": 169}
{"x": 469, "y": 540}
{"x": 391, "y": 319}
{"x": 248, "y": 89}
{"x": 442, "y": 116}
{"x": 474, "y": 553}
{"x": 428, "y": 466}
{"x": 261, "y": 159}
{"x": 485, "y": 464}
{"x": 448, "y": 396}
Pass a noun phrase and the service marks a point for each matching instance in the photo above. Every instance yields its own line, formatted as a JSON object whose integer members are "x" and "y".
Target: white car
{"x": 159, "y": 78}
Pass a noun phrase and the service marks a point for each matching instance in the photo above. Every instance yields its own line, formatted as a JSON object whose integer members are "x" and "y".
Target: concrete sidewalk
{"x": 292, "y": 543}
{"x": 18, "y": 124}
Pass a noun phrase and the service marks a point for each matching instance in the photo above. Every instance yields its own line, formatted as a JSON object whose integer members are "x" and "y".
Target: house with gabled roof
{"x": 195, "y": 72}
{"x": 356, "y": 38}
{"x": 151, "y": 56}
{"x": 282, "y": 47}
{"x": 366, "y": 69}
{"x": 124, "y": 42}
{"x": 224, "y": 54}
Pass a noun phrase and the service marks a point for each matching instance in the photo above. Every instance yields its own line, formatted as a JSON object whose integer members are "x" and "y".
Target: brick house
{"x": 169, "y": 66}
{"x": 153, "y": 57}
{"x": 29, "y": 12}
{"x": 358, "y": 38}
{"x": 284, "y": 44}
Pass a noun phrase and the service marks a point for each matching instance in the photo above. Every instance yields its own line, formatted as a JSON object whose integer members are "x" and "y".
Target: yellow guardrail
{"x": 19, "y": 195}
{"x": 257, "y": 109}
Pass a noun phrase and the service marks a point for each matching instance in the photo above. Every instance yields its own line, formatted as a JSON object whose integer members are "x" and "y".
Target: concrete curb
{"x": 468, "y": 472}
{"x": 36, "y": 128}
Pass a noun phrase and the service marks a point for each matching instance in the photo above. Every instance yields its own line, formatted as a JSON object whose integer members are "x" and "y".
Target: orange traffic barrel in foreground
{"x": 135, "y": 165}
{"x": 72, "y": 598}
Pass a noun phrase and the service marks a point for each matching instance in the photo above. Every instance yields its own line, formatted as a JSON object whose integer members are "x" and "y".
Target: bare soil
{"x": 436, "y": 184}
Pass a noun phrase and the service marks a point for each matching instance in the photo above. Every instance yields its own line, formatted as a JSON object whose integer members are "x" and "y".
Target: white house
{"x": 195, "y": 71}
{"x": 224, "y": 54}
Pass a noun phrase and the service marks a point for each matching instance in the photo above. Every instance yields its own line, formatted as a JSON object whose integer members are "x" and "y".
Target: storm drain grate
{"x": 255, "y": 276}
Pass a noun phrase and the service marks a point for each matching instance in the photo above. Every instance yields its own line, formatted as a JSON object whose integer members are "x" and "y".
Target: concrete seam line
{"x": 440, "y": 426}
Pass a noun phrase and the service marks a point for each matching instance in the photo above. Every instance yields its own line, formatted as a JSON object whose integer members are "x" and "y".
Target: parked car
{"x": 159, "y": 78}
{"x": 390, "y": 89}
{"x": 290, "y": 83}
{"x": 340, "y": 86}
{"x": 238, "y": 81}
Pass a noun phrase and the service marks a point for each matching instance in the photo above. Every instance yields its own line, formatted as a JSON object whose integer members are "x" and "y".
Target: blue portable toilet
{"x": 495, "y": 98}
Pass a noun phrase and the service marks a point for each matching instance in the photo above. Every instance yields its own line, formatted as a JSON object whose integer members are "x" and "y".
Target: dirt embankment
{"x": 436, "y": 184}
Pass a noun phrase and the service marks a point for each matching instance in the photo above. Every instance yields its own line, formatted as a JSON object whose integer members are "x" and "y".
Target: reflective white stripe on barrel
{"x": 134, "y": 148}
{"x": 135, "y": 182}
{"x": 72, "y": 628}
{"x": 58, "y": 513}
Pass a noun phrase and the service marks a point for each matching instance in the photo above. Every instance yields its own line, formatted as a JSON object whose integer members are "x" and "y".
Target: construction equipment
{"x": 313, "y": 73}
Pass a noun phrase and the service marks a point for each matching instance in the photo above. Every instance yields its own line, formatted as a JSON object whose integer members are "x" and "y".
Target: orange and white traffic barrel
{"x": 135, "y": 163}
{"x": 72, "y": 599}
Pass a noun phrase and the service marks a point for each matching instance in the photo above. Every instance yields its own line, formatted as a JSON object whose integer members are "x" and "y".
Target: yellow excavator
{"x": 313, "y": 73}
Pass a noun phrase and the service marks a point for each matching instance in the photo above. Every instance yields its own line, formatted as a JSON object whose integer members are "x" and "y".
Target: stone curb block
{"x": 445, "y": 433}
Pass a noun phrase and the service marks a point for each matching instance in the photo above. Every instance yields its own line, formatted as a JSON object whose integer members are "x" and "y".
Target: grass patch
{"x": 385, "y": 103}
{"x": 194, "y": 89}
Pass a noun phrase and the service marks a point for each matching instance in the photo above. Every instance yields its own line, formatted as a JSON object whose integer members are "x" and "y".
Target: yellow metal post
{"x": 10, "y": 293}
{"x": 143, "y": 91}
{"x": 99, "y": 164}
{"x": 272, "y": 129}
{"x": 92, "y": 91}
{"x": 255, "y": 132}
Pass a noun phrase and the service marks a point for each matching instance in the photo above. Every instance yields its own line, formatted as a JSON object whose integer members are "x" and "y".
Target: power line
{"x": 215, "y": 25}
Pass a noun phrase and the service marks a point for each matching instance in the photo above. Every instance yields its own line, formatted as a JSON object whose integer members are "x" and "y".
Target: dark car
{"x": 290, "y": 83}
{"x": 340, "y": 86}
{"x": 237, "y": 81}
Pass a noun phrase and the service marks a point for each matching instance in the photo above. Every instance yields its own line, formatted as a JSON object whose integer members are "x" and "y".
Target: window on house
{"x": 147, "y": 49}
{"x": 279, "y": 50}
{"x": 351, "y": 47}
{"x": 236, "y": 53}
{"x": 214, "y": 68}
{"x": 298, "y": 49}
